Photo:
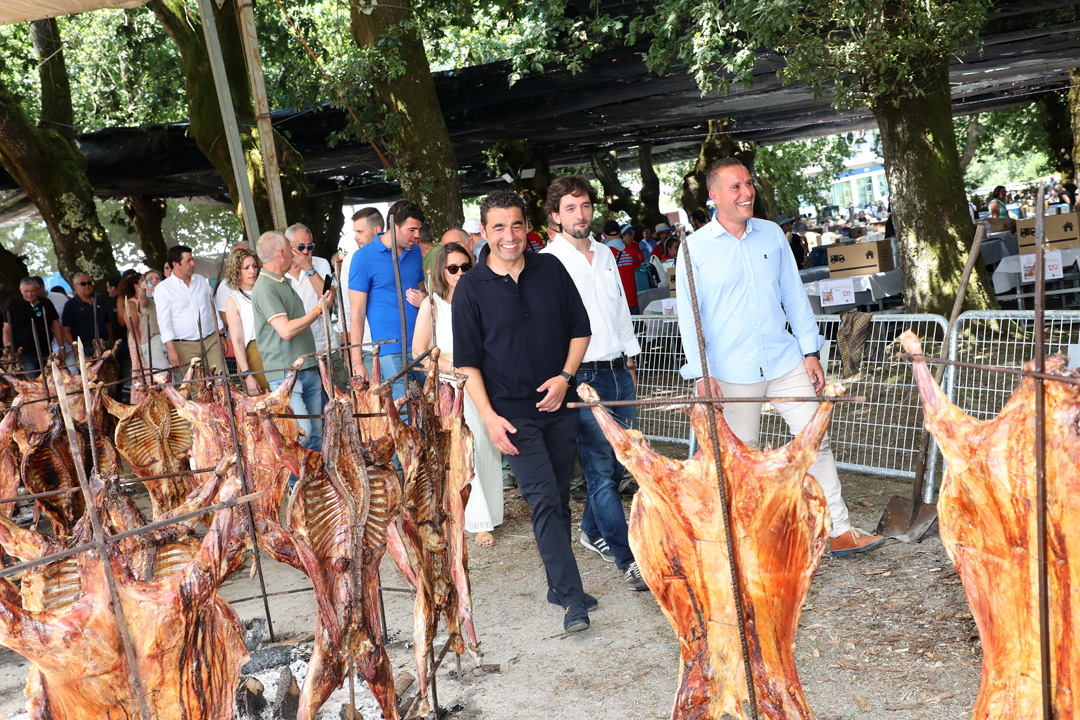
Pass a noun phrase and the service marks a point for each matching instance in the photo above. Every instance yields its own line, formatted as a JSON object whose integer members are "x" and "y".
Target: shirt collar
{"x": 272, "y": 276}
{"x": 484, "y": 272}
{"x": 720, "y": 230}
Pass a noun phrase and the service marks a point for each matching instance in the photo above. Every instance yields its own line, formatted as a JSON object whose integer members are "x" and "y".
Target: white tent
{"x": 17, "y": 11}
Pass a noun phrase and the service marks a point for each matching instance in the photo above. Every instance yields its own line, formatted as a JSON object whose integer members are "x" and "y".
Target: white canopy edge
{"x": 17, "y": 11}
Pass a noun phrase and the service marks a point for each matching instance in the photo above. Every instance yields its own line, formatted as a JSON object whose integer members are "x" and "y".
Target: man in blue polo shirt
{"x": 373, "y": 291}
{"x": 520, "y": 332}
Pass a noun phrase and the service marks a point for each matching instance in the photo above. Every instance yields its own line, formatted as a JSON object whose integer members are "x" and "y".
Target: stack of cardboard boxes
{"x": 865, "y": 258}
{"x": 1062, "y": 231}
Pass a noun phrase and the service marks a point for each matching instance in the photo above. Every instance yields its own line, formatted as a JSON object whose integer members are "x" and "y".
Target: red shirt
{"x": 628, "y": 265}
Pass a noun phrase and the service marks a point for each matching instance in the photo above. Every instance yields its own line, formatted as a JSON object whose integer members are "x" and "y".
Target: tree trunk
{"x": 423, "y": 155}
{"x": 928, "y": 206}
{"x": 650, "y": 188}
{"x": 717, "y": 144}
{"x": 57, "y": 112}
{"x": 12, "y": 270}
{"x": 617, "y": 196}
{"x": 146, "y": 215}
{"x": 514, "y": 156}
{"x": 766, "y": 195}
{"x": 184, "y": 26}
{"x": 974, "y": 127}
{"x": 327, "y": 218}
{"x": 1074, "y": 112}
{"x": 51, "y": 170}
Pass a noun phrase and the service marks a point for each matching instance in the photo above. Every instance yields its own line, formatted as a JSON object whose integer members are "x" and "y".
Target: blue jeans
{"x": 604, "y": 515}
{"x": 389, "y": 366}
{"x": 31, "y": 366}
{"x": 307, "y": 398}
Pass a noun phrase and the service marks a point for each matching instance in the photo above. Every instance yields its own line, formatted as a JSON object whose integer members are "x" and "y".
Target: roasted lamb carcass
{"x": 369, "y": 405}
{"x": 155, "y": 440}
{"x": 987, "y": 518}
{"x": 188, "y": 642}
{"x": 780, "y": 522}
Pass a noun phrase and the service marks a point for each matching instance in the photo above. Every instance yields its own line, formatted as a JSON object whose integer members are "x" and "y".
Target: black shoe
{"x": 632, "y": 577}
{"x": 599, "y": 546}
{"x": 576, "y": 619}
{"x": 590, "y": 601}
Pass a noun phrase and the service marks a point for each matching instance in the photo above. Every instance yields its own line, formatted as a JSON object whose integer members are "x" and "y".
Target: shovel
{"x": 908, "y": 519}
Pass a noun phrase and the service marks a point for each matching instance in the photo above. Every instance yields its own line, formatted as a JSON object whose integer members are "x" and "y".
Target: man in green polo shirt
{"x": 283, "y": 332}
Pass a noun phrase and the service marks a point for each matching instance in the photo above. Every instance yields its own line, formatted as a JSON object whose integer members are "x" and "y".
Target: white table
{"x": 1007, "y": 275}
{"x": 868, "y": 289}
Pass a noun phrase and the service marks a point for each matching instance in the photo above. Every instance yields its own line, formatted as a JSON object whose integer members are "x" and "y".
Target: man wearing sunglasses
{"x": 28, "y": 320}
{"x": 85, "y": 317}
{"x": 374, "y": 296}
{"x": 307, "y": 276}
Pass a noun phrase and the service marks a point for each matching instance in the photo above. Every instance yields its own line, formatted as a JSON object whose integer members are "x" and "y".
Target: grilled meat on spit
{"x": 374, "y": 423}
{"x": 780, "y": 522}
{"x": 987, "y": 512}
{"x": 188, "y": 642}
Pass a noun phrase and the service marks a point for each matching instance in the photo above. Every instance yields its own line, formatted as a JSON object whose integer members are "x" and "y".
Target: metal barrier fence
{"x": 1003, "y": 337}
{"x": 878, "y": 437}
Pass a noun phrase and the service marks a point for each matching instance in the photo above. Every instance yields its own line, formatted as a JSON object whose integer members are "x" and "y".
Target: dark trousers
{"x": 545, "y": 459}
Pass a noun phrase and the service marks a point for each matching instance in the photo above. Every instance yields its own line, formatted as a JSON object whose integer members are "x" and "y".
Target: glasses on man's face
{"x": 83, "y": 283}
{"x": 310, "y": 247}
{"x": 463, "y": 267}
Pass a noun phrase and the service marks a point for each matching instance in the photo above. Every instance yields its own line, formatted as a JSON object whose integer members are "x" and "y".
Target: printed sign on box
{"x": 1054, "y": 270}
{"x": 837, "y": 292}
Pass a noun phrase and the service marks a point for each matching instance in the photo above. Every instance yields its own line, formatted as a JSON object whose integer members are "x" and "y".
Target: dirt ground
{"x": 886, "y": 634}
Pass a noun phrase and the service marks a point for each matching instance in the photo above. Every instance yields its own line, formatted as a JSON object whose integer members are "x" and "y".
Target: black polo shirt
{"x": 517, "y": 333}
{"x": 18, "y": 316}
{"x": 79, "y": 316}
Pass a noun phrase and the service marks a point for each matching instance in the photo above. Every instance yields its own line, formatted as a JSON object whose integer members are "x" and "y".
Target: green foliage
{"x": 1011, "y": 146}
{"x": 802, "y": 170}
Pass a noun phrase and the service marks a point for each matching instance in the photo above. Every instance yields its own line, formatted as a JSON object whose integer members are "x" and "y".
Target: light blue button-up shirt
{"x": 748, "y": 290}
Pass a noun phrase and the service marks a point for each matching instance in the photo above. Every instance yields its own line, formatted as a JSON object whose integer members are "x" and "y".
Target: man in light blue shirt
{"x": 748, "y": 291}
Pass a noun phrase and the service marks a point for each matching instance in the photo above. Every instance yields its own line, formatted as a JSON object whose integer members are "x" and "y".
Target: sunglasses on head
{"x": 83, "y": 283}
{"x": 463, "y": 267}
{"x": 310, "y": 247}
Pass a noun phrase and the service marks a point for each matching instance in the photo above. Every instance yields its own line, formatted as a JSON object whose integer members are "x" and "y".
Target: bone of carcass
{"x": 987, "y": 516}
{"x": 459, "y": 477}
{"x": 780, "y": 522}
{"x": 97, "y": 371}
{"x": 155, "y": 440}
{"x": 10, "y": 459}
{"x": 369, "y": 404}
{"x": 188, "y": 642}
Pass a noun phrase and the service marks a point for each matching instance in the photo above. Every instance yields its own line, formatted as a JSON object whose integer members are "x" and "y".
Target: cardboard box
{"x": 856, "y": 232}
{"x": 994, "y": 225}
{"x": 1062, "y": 231}
{"x": 878, "y": 227}
{"x": 813, "y": 239}
{"x": 867, "y": 258}
{"x": 671, "y": 280}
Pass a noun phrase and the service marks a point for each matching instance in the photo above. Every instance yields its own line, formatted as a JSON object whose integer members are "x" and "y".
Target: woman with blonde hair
{"x": 241, "y": 269}
{"x": 484, "y": 511}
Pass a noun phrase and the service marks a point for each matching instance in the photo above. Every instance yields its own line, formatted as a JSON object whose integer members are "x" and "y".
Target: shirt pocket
{"x": 612, "y": 282}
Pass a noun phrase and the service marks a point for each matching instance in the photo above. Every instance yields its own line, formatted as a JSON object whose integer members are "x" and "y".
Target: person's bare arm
{"x": 121, "y": 311}
{"x": 422, "y": 331}
{"x": 358, "y": 302}
{"x": 239, "y": 344}
{"x": 555, "y": 388}
{"x": 131, "y": 307}
{"x": 415, "y": 296}
{"x": 498, "y": 427}
{"x": 57, "y": 333}
{"x": 7, "y": 334}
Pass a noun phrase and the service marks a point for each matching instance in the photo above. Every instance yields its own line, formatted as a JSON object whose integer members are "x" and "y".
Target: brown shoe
{"x": 854, "y": 541}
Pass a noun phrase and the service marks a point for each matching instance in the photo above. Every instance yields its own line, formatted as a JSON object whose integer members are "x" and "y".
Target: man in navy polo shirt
{"x": 520, "y": 332}
{"x": 373, "y": 292}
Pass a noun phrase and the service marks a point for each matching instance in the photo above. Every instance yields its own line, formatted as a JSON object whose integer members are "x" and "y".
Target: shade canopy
{"x": 17, "y": 11}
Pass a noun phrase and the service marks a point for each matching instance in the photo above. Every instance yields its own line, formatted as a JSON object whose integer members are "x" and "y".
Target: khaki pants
{"x": 255, "y": 365}
{"x": 744, "y": 419}
{"x": 189, "y": 350}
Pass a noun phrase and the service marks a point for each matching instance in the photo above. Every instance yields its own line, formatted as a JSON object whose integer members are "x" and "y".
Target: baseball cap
{"x": 611, "y": 228}
{"x": 625, "y": 229}
{"x": 471, "y": 226}
{"x": 662, "y": 227}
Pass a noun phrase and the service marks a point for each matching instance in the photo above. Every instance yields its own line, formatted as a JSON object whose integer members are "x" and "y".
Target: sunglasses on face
{"x": 83, "y": 283}
{"x": 310, "y": 247}
{"x": 463, "y": 267}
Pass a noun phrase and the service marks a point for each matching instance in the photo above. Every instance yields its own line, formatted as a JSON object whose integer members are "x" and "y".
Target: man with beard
{"x": 520, "y": 332}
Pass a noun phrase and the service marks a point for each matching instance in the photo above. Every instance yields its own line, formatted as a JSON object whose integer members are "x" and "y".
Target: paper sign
{"x": 837, "y": 292}
{"x": 1054, "y": 269}
{"x": 668, "y": 306}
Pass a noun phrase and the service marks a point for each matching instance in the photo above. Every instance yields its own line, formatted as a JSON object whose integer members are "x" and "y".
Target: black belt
{"x": 617, "y": 364}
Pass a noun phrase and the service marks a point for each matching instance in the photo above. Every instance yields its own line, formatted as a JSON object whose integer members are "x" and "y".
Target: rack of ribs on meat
{"x": 155, "y": 440}
{"x": 459, "y": 476}
{"x": 423, "y": 450}
{"x": 43, "y": 386}
{"x": 987, "y": 517}
{"x": 374, "y": 424}
{"x": 780, "y": 522}
{"x": 188, "y": 642}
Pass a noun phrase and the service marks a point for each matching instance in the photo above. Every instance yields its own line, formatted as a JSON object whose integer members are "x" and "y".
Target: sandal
{"x": 484, "y": 539}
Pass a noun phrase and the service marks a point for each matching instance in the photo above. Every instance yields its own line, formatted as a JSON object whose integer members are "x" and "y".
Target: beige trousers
{"x": 188, "y": 350}
{"x": 744, "y": 419}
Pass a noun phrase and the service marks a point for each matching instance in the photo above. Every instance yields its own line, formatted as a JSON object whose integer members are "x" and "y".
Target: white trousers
{"x": 744, "y": 419}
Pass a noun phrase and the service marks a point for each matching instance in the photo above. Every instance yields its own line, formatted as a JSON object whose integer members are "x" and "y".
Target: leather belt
{"x": 617, "y": 364}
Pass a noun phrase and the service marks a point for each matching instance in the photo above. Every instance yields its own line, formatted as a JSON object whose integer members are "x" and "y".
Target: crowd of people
{"x": 523, "y": 318}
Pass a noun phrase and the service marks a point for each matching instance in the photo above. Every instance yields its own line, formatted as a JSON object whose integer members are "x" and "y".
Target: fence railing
{"x": 658, "y": 377}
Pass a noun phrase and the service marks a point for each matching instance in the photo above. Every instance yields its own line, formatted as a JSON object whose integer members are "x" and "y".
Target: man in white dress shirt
{"x": 185, "y": 311}
{"x": 307, "y": 276}
{"x": 608, "y": 367}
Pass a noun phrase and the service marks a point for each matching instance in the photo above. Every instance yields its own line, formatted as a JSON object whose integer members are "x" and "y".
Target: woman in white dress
{"x": 241, "y": 269}
{"x": 484, "y": 511}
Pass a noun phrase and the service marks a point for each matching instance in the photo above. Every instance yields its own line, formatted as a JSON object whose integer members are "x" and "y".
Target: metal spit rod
{"x": 1040, "y": 456}
{"x": 725, "y": 507}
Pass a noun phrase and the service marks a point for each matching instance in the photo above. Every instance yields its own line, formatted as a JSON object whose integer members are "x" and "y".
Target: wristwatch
{"x": 310, "y": 272}
{"x": 567, "y": 376}
{"x": 814, "y": 354}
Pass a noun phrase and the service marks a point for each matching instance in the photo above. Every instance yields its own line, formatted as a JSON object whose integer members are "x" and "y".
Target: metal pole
{"x": 343, "y": 287}
{"x": 228, "y": 117}
{"x": 37, "y": 346}
{"x": 400, "y": 291}
{"x": 227, "y": 391}
{"x": 99, "y": 536}
{"x": 250, "y": 40}
{"x": 725, "y": 508}
{"x": 1040, "y": 457}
